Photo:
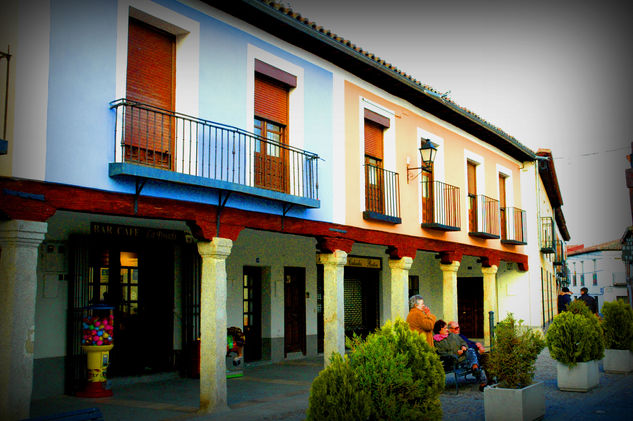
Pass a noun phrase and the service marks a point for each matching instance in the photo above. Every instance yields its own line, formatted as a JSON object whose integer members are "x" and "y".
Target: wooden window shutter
{"x": 472, "y": 178}
{"x": 373, "y": 139}
{"x": 150, "y": 65}
{"x": 271, "y": 100}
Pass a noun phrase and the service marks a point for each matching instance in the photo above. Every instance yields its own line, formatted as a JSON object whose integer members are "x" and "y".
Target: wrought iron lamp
{"x": 428, "y": 151}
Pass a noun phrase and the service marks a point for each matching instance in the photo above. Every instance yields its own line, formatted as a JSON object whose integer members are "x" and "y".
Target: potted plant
{"x": 512, "y": 360}
{"x": 617, "y": 324}
{"x": 575, "y": 340}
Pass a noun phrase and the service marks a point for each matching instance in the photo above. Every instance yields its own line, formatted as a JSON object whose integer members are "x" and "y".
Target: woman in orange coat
{"x": 420, "y": 318}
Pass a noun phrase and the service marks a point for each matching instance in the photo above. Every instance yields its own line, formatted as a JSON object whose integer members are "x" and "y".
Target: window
{"x": 149, "y": 135}
{"x": 472, "y": 196}
{"x": 502, "y": 206}
{"x": 272, "y": 88}
{"x": 595, "y": 272}
{"x": 374, "y": 182}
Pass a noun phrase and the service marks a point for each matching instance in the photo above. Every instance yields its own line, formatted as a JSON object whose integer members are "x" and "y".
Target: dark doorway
{"x": 470, "y": 306}
{"x": 252, "y": 300}
{"x": 137, "y": 280}
{"x": 294, "y": 310}
{"x": 361, "y": 301}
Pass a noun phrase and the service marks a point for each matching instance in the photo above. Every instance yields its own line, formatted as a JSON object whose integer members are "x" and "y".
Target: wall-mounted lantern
{"x": 428, "y": 151}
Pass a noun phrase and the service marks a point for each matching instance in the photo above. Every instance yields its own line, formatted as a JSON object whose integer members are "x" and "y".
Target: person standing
{"x": 420, "y": 318}
{"x": 564, "y": 298}
{"x": 587, "y": 299}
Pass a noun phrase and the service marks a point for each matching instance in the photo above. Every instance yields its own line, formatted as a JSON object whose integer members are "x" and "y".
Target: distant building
{"x": 599, "y": 268}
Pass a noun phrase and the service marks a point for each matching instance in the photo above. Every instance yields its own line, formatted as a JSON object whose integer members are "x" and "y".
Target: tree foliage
{"x": 575, "y": 336}
{"x": 513, "y": 356}
{"x": 396, "y": 370}
{"x": 617, "y": 324}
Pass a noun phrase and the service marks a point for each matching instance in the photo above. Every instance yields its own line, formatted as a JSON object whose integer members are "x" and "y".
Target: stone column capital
{"x": 450, "y": 267}
{"x": 492, "y": 270}
{"x": 403, "y": 263}
{"x": 337, "y": 258}
{"x": 22, "y": 233}
{"x": 219, "y": 248}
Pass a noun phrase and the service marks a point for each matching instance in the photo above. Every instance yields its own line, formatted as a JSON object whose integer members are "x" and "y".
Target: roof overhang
{"x": 352, "y": 59}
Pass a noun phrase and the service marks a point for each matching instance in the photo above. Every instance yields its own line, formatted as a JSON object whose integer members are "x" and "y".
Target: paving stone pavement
{"x": 280, "y": 392}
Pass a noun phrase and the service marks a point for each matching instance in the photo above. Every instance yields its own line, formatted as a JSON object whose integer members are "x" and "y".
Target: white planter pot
{"x": 525, "y": 404}
{"x": 617, "y": 361}
{"x": 582, "y": 378}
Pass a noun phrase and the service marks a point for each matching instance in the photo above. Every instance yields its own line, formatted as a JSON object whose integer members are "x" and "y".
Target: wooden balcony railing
{"x": 440, "y": 206}
{"x": 483, "y": 216}
{"x": 513, "y": 226}
{"x": 196, "y": 149}
{"x": 382, "y": 196}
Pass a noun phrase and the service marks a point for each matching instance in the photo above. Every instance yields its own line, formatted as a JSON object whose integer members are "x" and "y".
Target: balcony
{"x": 513, "y": 226}
{"x": 382, "y": 198}
{"x": 548, "y": 235}
{"x": 440, "y": 206}
{"x": 153, "y": 143}
{"x": 561, "y": 253}
{"x": 483, "y": 216}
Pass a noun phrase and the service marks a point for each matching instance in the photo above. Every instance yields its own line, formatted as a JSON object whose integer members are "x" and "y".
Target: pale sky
{"x": 553, "y": 74}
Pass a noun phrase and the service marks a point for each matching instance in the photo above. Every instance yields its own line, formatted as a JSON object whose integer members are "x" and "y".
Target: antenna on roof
{"x": 445, "y": 94}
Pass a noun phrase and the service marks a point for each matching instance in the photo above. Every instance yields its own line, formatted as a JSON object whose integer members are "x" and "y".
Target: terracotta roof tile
{"x": 289, "y": 12}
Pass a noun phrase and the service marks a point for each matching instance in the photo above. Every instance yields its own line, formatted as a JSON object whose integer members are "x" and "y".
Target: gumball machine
{"x": 96, "y": 342}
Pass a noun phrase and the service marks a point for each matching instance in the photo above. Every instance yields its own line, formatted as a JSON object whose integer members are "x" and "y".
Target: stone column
{"x": 399, "y": 287}
{"x": 490, "y": 299}
{"x": 333, "y": 303}
{"x": 19, "y": 242}
{"x": 213, "y": 394}
{"x": 449, "y": 293}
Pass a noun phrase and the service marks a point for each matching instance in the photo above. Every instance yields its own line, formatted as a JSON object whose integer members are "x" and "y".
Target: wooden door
{"x": 252, "y": 308}
{"x": 502, "y": 207}
{"x": 271, "y": 124}
{"x": 374, "y": 174}
{"x": 470, "y": 306}
{"x": 472, "y": 197}
{"x": 149, "y": 133}
{"x": 294, "y": 310}
{"x": 428, "y": 197}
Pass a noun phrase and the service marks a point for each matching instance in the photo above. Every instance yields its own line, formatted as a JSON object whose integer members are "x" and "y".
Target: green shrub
{"x": 513, "y": 356}
{"x": 401, "y": 372}
{"x": 617, "y": 324}
{"x": 394, "y": 372}
{"x": 335, "y": 394}
{"x": 579, "y": 307}
{"x": 575, "y": 336}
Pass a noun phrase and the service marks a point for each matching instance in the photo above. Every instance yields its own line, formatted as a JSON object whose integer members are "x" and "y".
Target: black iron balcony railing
{"x": 561, "y": 253}
{"x": 440, "y": 206}
{"x": 221, "y": 156}
{"x": 548, "y": 235}
{"x": 513, "y": 226}
{"x": 483, "y": 216}
{"x": 382, "y": 196}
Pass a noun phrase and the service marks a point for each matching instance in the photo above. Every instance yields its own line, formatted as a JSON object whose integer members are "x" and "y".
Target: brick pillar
{"x": 213, "y": 393}
{"x": 19, "y": 242}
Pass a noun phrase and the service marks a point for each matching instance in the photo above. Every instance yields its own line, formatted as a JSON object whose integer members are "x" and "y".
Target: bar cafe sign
{"x": 135, "y": 233}
{"x": 363, "y": 262}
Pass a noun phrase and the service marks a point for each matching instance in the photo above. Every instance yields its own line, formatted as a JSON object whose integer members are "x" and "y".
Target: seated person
{"x": 447, "y": 343}
{"x": 453, "y": 327}
{"x": 478, "y": 348}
